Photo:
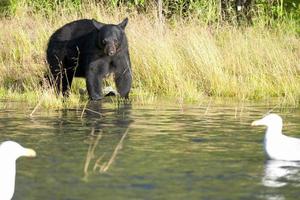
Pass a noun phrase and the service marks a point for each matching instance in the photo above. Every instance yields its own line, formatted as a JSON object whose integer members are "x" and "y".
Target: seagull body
{"x": 9, "y": 152}
{"x": 276, "y": 145}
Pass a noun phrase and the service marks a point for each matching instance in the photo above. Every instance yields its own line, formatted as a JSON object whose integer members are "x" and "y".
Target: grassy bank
{"x": 185, "y": 60}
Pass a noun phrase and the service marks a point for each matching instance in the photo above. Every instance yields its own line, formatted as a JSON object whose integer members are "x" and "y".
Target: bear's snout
{"x": 110, "y": 53}
{"x": 110, "y": 50}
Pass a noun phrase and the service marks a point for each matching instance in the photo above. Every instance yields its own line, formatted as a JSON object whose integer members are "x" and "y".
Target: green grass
{"x": 182, "y": 60}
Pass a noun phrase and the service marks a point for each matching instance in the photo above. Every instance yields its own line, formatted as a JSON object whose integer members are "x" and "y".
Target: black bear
{"x": 90, "y": 49}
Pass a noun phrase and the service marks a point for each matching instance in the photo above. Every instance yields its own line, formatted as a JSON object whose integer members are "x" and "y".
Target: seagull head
{"x": 14, "y": 150}
{"x": 271, "y": 120}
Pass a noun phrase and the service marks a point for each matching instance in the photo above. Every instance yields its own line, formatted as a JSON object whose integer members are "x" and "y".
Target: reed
{"x": 186, "y": 60}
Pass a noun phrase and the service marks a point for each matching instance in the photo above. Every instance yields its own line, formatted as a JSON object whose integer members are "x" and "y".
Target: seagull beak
{"x": 257, "y": 123}
{"x": 30, "y": 153}
{"x": 254, "y": 123}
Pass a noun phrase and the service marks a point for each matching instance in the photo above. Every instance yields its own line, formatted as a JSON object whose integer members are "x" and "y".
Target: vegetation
{"x": 189, "y": 56}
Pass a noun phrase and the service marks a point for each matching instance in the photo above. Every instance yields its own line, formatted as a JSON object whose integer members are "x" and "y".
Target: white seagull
{"x": 278, "y": 146}
{"x": 9, "y": 152}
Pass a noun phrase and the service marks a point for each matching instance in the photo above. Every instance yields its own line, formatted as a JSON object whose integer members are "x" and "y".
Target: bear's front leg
{"x": 93, "y": 84}
{"x": 95, "y": 72}
{"x": 123, "y": 75}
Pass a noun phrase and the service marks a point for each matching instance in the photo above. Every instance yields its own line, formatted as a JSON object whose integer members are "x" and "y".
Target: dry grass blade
{"x": 83, "y": 110}
{"x": 36, "y": 107}
{"x": 100, "y": 114}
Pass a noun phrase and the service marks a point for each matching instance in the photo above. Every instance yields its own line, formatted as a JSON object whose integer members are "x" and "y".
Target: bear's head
{"x": 110, "y": 36}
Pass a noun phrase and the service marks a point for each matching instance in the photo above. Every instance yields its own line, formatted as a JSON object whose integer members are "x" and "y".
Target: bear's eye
{"x": 116, "y": 42}
{"x": 104, "y": 41}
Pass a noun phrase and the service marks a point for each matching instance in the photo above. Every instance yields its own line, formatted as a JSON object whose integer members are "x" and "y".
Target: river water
{"x": 128, "y": 151}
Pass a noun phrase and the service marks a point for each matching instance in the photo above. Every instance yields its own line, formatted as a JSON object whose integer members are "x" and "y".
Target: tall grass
{"x": 185, "y": 60}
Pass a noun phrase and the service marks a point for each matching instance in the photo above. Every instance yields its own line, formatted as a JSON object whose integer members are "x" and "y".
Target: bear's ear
{"x": 97, "y": 24}
{"x": 123, "y": 23}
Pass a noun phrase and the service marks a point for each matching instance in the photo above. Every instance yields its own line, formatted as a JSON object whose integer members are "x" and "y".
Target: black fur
{"x": 90, "y": 49}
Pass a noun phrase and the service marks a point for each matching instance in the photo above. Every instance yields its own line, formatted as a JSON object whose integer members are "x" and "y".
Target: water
{"x": 206, "y": 151}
